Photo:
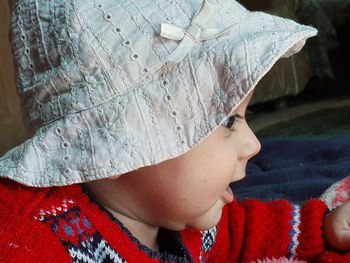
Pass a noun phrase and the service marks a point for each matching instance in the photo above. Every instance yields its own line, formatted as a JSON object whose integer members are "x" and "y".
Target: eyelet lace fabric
{"x": 99, "y": 95}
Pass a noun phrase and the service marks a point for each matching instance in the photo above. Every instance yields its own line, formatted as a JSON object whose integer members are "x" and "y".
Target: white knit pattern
{"x": 101, "y": 253}
{"x": 295, "y": 232}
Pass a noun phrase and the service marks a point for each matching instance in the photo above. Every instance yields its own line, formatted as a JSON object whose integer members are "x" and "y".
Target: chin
{"x": 207, "y": 221}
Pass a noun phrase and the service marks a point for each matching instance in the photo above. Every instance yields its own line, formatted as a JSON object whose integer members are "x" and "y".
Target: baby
{"x": 136, "y": 111}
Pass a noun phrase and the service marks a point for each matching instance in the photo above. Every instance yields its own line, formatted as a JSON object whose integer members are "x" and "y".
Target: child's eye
{"x": 231, "y": 120}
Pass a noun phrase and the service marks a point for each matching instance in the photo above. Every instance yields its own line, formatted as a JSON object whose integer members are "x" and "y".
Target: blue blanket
{"x": 295, "y": 169}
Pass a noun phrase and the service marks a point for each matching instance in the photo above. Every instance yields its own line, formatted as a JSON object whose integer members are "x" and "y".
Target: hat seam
{"x": 145, "y": 123}
{"x": 155, "y": 124}
{"x": 200, "y": 99}
{"x": 189, "y": 97}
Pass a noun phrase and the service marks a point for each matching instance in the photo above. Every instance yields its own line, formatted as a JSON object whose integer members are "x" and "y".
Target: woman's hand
{"x": 337, "y": 227}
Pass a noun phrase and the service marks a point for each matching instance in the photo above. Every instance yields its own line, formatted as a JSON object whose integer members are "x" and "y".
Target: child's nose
{"x": 250, "y": 146}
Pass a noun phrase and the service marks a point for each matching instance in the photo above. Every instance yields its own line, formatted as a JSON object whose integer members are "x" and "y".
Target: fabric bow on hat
{"x": 193, "y": 34}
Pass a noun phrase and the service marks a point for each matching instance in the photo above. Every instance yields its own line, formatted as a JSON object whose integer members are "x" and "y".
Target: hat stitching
{"x": 109, "y": 80}
{"x": 122, "y": 119}
{"x": 71, "y": 34}
{"x": 251, "y": 42}
{"x": 183, "y": 9}
{"x": 115, "y": 62}
{"x": 22, "y": 62}
{"x": 231, "y": 67}
{"x": 62, "y": 61}
{"x": 163, "y": 12}
{"x": 189, "y": 98}
{"x": 155, "y": 48}
{"x": 218, "y": 94}
{"x": 155, "y": 124}
{"x": 76, "y": 54}
{"x": 64, "y": 145}
{"x": 171, "y": 106}
{"x": 83, "y": 146}
{"x": 240, "y": 92}
{"x": 105, "y": 130}
{"x": 207, "y": 46}
{"x": 126, "y": 42}
{"x": 200, "y": 99}
{"x": 37, "y": 37}
{"x": 114, "y": 123}
{"x": 40, "y": 42}
{"x": 37, "y": 152}
{"x": 136, "y": 142}
{"x": 274, "y": 35}
{"x": 44, "y": 147}
{"x": 140, "y": 26}
{"x": 54, "y": 23}
{"x": 284, "y": 23}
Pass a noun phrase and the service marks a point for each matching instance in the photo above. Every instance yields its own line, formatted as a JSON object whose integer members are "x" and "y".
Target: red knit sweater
{"x": 64, "y": 224}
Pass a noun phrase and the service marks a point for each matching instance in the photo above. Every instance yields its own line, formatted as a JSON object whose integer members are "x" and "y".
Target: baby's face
{"x": 191, "y": 190}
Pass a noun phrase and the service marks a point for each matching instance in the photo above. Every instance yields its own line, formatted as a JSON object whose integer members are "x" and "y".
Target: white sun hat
{"x": 110, "y": 86}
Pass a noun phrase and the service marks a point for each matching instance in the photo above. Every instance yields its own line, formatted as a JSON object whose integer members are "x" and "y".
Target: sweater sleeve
{"x": 255, "y": 230}
{"x": 22, "y": 238}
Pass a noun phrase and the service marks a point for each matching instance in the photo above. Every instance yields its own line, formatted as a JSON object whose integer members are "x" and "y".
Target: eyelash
{"x": 229, "y": 123}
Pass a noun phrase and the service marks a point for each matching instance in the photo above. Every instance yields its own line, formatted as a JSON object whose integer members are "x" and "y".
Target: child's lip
{"x": 228, "y": 195}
